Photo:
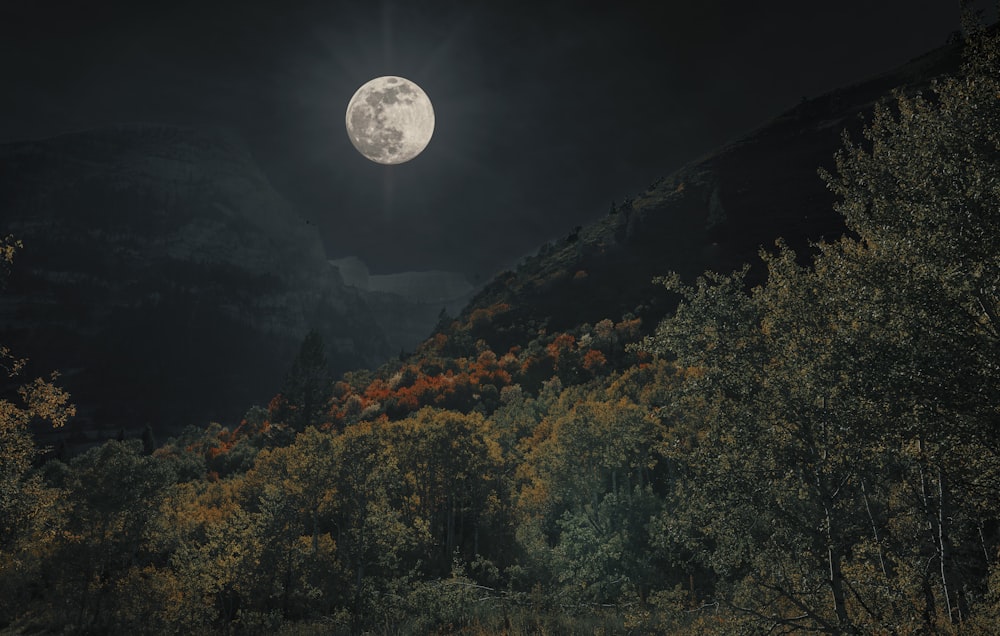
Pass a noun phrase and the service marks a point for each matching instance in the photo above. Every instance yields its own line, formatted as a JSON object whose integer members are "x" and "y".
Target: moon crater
{"x": 390, "y": 120}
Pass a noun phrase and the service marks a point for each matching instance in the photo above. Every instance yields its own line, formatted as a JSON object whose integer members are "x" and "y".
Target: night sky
{"x": 546, "y": 112}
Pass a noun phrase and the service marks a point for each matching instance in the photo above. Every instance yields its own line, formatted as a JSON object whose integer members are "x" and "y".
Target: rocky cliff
{"x": 715, "y": 213}
{"x": 164, "y": 277}
{"x": 407, "y": 305}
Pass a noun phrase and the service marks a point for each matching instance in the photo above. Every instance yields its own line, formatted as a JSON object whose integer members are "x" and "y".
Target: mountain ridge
{"x": 164, "y": 276}
{"x": 714, "y": 213}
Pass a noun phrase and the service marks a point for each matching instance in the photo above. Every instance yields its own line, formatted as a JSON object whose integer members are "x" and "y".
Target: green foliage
{"x": 29, "y": 508}
{"x": 822, "y": 416}
{"x": 113, "y": 491}
{"x": 817, "y": 454}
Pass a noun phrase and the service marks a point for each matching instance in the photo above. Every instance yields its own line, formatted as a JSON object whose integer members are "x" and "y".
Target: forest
{"x": 815, "y": 454}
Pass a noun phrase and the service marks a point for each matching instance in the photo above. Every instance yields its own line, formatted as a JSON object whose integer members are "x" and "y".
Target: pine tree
{"x": 148, "y": 440}
{"x": 308, "y": 386}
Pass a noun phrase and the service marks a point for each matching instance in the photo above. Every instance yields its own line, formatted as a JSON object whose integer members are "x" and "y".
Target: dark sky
{"x": 546, "y": 111}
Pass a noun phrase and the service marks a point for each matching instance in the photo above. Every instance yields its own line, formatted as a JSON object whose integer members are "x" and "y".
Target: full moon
{"x": 390, "y": 120}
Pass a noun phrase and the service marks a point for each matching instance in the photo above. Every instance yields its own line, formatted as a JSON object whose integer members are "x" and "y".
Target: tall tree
{"x": 837, "y": 426}
{"x": 114, "y": 491}
{"x": 305, "y": 396}
{"x": 922, "y": 195}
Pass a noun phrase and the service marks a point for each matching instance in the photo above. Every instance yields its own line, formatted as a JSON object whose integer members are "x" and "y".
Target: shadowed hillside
{"x": 808, "y": 446}
{"x": 164, "y": 277}
{"x": 715, "y": 213}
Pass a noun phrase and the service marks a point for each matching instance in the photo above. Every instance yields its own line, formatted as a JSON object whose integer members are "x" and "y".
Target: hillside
{"x": 164, "y": 277}
{"x": 407, "y": 305}
{"x": 713, "y": 214}
{"x": 816, "y": 453}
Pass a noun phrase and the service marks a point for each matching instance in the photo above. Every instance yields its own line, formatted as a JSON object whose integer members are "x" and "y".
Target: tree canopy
{"x": 816, "y": 454}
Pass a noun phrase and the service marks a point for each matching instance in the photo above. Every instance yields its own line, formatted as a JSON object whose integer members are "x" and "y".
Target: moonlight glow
{"x": 390, "y": 120}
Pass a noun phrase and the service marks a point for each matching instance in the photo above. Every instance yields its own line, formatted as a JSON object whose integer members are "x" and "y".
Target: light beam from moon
{"x": 390, "y": 120}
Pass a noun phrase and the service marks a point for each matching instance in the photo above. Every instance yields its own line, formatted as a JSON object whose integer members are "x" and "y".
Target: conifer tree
{"x": 308, "y": 387}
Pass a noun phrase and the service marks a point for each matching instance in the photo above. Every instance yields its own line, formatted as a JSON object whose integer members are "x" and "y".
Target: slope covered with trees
{"x": 817, "y": 453}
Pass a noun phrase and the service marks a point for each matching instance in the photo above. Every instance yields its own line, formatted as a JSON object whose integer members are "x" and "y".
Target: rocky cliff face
{"x": 407, "y": 305}
{"x": 164, "y": 276}
{"x": 715, "y": 213}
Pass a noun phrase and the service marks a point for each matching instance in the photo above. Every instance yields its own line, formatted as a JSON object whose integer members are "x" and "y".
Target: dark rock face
{"x": 407, "y": 305}
{"x": 407, "y": 323}
{"x": 164, "y": 277}
{"x": 714, "y": 214}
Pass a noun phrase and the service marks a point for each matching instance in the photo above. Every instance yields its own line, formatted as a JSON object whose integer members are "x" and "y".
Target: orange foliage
{"x": 483, "y": 316}
{"x": 377, "y": 391}
{"x": 428, "y": 381}
{"x": 435, "y": 344}
{"x": 560, "y": 346}
{"x": 434, "y": 378}
{"x": 594, "y": 360}
{"x": 628, "y": 330}
{"x": 693, "y": 372}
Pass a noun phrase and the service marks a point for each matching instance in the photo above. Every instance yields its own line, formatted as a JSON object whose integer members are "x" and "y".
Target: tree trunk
{"x": 836, "y": 575}
{"x": 982, "y": 544}
{"x": 450, "y": 531}
{"x": 949, "y": 582}
{"x": 288, "y": 578}
{"x": 315, "y": 541}
{"x": 878, "y": 541}
{"x": 944, "y": 553}
{"x": 930, "y": 605}
{"x": 930, "y": 609}
{"x": 359, "y": 575}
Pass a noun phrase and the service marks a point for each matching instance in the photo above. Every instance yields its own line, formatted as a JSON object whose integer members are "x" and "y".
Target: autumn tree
{"x": 28, "y": 511}
{"x": 113, "y": 491}
{"x": 450, "y": 462}
{"x": 205, "y": 545}
{"x": 292, "y": 489}
{"x": 373, "y": 534}
{"x": 586, "y": 496}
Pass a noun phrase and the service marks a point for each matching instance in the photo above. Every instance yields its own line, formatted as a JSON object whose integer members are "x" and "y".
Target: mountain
{"x": 407, "y": 305}
{"x": 164, "y": 277}
{"x": 170, "y": 284}
{"x": 713, "y": 214}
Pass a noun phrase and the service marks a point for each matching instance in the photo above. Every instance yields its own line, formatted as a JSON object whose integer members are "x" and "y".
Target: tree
{"x": 450, "y": 463}
{"x": 586, "y": 496}
{"x": 28, "y": 507}
{"x": 801, "y": 485}
{"x": 922, "y": 195}
{"x": 308, "y": 388}
{"x": 835, "y": 428}
{"x": 373, "y": 533}
{"x": 769, "y": 467}
{"x": 292, "y": 489}
{"x": 114, "y": 491}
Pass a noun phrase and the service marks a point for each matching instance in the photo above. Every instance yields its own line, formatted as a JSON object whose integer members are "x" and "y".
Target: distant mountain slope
{"x": 434, "y": 286}
{"x": 714, "y": 214}
{"x": 407, "y": 305}
{"x": 164, "y": 276}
